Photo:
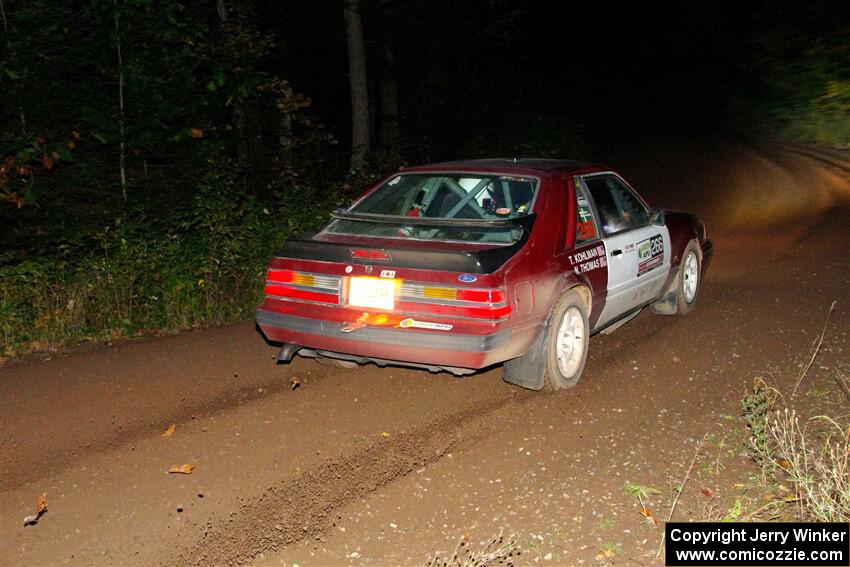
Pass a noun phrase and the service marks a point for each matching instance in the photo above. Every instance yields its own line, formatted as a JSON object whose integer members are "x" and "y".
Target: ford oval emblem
{"x": 467, "y": 278}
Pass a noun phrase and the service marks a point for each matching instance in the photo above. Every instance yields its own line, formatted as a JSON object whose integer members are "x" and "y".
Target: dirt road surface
{"x": 377, "y": 466}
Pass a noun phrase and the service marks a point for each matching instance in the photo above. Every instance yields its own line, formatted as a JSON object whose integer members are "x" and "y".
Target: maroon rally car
{"x": 460, "y": 266}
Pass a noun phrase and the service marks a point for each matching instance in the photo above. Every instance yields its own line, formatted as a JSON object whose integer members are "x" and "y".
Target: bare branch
{"x": 817, "y": 348}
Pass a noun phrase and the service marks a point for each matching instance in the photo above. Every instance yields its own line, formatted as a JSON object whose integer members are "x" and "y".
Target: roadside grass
{"x": 808, "y": 450}
{"x": 45, "y": 306}
{"x": 198, "y": 261}
{"x": 786, "y": 457}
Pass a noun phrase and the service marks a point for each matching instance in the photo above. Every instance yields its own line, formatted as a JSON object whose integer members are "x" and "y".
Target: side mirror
{"x": 656, "y": 216}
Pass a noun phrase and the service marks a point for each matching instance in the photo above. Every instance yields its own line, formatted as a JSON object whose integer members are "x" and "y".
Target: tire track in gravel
{"x": 307, "y": 506}
{"x": 56, "y": 461}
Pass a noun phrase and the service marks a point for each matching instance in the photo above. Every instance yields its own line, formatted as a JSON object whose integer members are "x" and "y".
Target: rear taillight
{"x": 466, "y": 302}
{"x": 481, "y": 295}
{"x": 288, "y": 284}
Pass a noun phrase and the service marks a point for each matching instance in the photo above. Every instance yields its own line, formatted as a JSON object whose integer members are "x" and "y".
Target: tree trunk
{"x": 359, "y": 90}
{"x": 240, "y": 120}
{"x": 12, "y": 60}
{"x": 388, "y": 115}
{"x": 121, "y": 154}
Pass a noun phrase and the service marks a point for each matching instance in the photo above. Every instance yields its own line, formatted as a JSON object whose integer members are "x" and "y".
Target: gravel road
{"x": 390, "y": 466}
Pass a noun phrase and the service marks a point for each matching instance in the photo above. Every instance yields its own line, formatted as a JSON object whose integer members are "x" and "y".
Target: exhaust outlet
{"x": 287, "y": 351}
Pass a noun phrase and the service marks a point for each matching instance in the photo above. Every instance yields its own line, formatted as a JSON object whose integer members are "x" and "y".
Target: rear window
{"x": 414, "y": 206}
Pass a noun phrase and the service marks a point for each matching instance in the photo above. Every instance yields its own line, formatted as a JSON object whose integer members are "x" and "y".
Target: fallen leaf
{"x": 40, "y": 509}
{"x": 196, "y": 132}
{"x": 170, "y": 431}
{"x": 707, "y": 492}
{"x": 677, "y": 359}
{"x": 46, "y": 162}
{"x": 784, "y": 463}
{"x": 41, "y": 505}
{"x": 385, "y": 434}
{"x": 71, "y": 145}
{"x": 295, "y": 381}
{"x": 182, "y": 469}
{"x": 647, "y": 513}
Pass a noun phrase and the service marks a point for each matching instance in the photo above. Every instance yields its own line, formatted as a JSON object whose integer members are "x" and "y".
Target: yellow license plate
{"x": 372, "y": 292}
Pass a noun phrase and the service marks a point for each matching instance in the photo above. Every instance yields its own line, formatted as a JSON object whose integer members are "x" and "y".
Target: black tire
{"x": 689, "y": 279}
{"x": 560, "y": 376}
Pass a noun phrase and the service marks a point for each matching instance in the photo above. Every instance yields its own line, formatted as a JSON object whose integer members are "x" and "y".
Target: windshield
{"x": 406, "y": 205}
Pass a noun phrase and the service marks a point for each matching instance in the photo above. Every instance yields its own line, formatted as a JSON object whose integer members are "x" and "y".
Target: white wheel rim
{"x": 570, "y": 342}
{"x": 691, "y": 276}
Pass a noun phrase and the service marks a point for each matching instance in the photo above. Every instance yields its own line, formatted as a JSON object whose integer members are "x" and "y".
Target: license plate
{"x": 372, "y": 292}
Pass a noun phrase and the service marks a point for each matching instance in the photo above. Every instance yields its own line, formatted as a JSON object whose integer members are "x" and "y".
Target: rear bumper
{"x": 438, "y": 348}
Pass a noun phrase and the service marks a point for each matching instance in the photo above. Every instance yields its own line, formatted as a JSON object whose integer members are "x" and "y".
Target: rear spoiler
{"x": 476, "y": 262}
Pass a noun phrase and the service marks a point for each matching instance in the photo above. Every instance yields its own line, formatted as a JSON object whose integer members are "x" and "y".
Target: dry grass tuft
{"x": 815, "y": 457}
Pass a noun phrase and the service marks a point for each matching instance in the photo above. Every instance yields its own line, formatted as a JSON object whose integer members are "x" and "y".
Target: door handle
{"x": 616, "y": 252}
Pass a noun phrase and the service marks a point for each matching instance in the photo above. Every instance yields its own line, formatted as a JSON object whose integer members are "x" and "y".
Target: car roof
{"x": 521, "y": 166}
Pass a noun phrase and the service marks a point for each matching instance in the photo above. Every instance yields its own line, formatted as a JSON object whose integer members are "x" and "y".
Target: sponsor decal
{"x": 650, "y": 254}
{"x": 387, "y": 273}
{"x": 408, "y": 323}
{"x": 589, "y": 259}
{"x": 467, "y": 278}
{"x": 349, "y": 269}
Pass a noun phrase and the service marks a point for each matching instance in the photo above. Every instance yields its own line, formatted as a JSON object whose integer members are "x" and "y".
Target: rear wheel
{"x": 568, "y": 336}
{"x": 687, "y": 289}
{"x": 555, "y": 360}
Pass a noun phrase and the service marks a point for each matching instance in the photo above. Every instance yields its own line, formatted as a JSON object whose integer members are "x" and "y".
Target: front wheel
{"x": 689, "y": 279}
{"x": 568, "y": 336}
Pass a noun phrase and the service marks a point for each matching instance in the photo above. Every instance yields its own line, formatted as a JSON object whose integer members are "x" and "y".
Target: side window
{"x": 585, "y": 224}
{"x": 619, "y": 208}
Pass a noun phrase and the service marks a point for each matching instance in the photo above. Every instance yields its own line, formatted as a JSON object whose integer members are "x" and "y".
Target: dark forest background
{"x": 153, "y": 154}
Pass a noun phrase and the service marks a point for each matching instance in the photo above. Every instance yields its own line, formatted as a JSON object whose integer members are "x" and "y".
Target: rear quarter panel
{"x": 543, "y": 271}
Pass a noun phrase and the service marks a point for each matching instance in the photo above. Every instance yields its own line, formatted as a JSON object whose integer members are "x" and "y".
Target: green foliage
{"x": 734, "y": 513}
{"x": 807, "y": 72}
{"x": 201, "y": 263}
{"x": 207, "y": 202}
{"x": 756, "y": 408}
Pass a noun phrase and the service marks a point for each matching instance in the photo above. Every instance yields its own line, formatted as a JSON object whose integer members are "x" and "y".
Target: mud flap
{"x": 667, "y": 305}
{"x": 527, "y": 370}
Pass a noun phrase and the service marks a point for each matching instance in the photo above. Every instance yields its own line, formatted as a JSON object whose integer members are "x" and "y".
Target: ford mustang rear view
{"x": 464, "y": 265}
